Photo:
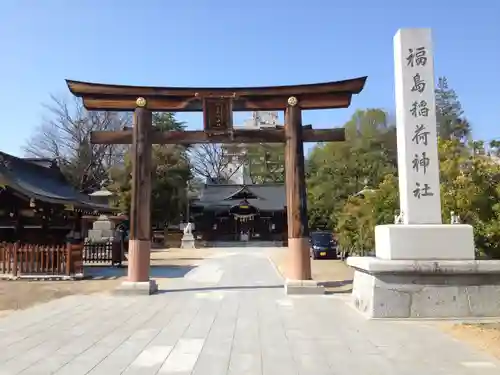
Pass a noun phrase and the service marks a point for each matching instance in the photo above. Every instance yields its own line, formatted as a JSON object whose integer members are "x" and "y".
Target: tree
{"x": 470, "y": 187}
{"x": 494, "y": 148}
{"x": 361, "y": 213}
{"x": 262, "y": 163}
{"x": 450, "y": 117}
{"x": 166, "y": 121}
{"x": 265, "y": 162}
{"x": 171, "y": 172}
{"x": 336, "y": 171}
{"x": 213, "y": 162}
{"x": 64, "y": 136}
{"x": 169, "y": 185}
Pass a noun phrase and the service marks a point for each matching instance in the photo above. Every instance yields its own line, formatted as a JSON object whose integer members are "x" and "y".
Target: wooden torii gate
{"x": 217, "y": 105}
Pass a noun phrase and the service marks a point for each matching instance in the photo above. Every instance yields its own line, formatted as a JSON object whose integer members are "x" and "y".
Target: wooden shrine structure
{"x": 217, "y": 105}
{"x": 38, "y": 206}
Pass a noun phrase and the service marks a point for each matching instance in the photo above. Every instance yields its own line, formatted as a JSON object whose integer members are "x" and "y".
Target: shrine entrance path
{"x": 228, "y": 316}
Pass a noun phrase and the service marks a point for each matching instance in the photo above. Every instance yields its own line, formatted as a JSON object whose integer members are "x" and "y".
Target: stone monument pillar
{"x": 423, "y": 268}
{"x": 422, "y": 234}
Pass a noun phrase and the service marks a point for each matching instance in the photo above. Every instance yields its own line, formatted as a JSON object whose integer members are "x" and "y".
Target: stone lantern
{"x": 104, "y": 196}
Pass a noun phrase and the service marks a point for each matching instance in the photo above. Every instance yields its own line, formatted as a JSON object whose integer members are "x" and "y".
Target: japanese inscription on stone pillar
{"x": 418, "y": 162}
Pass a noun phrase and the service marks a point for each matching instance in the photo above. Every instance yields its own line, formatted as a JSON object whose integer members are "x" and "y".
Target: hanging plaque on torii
{"x": 218, "y": 114}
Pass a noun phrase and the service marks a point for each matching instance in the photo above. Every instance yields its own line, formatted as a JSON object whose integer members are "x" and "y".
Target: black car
{"x": 323, "y": 245}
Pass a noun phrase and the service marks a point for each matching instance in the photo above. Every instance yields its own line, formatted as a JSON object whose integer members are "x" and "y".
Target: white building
{"x": 237, "y": 166}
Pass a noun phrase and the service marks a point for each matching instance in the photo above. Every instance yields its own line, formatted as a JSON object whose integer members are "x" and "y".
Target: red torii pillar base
{"x": 298, "y": 273}
{"x": 138, "y": 282}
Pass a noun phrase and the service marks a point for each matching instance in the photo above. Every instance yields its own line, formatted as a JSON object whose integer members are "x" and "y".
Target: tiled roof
{"x": 270, "y": 196}
{"x": 36, "y": 179}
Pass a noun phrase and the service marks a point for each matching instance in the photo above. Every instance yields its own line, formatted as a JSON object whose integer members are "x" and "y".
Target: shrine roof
{"x": 36, "y": 178}
{"x": 270, "y": 197}
{"x": 99, "y": 96}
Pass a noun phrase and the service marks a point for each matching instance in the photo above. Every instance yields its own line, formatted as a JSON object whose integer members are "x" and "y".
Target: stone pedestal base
{"x": 303, "y": 287}
{"x": 131, "y": 288}
{"x": 424, "y": 241}
{"x": 188, "y": 242}
{"x": 426, "y": 288}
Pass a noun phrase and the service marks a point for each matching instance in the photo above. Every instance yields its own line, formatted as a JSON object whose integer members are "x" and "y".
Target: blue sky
{"x": 233, "y": 43}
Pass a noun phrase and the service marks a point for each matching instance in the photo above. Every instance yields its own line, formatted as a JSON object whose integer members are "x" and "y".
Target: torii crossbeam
{"x": 217, "y": 105}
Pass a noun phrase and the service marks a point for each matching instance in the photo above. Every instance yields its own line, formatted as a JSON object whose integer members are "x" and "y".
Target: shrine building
{"x": 231, "y": 212}
{"x": 38, "y": 205}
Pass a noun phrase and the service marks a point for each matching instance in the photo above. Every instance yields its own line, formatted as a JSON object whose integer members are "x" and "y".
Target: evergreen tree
{"x": 338, "y": 170}
{"x": 170, "y": 174}
{"x": 451, "y": 122}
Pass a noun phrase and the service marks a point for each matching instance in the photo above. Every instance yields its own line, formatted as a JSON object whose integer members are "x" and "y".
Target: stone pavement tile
{"x": 367, "y": 364}
{"x": 245, "y": 364}
{"x": 276, "y": 352}
{"x": 214, "y": 358}
{"x": 298, "y": 324}
{"x": 45, "y": 342}
{"x": 202, "y": 323}
{"x": 212, "y": 364}
{"x": 77, "y": 343}
{"x": 278, "y": 360}
{"x": 304, "y": 347}
{"x": 149, "y": 360}
{"x": 235, "y": 324}
{"x": 120, "y": 358}
{"x": 97, "y": 347}
{"x": 21, "y": 319}
{"x": 246, "y": 335}
{"x": 183, "y": 357}
{"x": 17, "y": 333}
{"x": 386, "y": 346}
{"x": 175, "y": 324}
{"x": 74, "y": 345}
{"x": 313, "y": 364}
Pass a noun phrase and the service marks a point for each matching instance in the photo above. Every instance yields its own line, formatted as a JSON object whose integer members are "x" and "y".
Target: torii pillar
{"x": 299, "y": 262}
{"x": 139, "y": 245}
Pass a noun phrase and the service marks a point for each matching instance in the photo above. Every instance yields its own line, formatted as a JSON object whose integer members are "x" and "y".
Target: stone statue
{"x": 398, "y": 219}
{"x": 188, "y": 229}
{"x": 187, "y": 241}
{"x": 455, "y": 219}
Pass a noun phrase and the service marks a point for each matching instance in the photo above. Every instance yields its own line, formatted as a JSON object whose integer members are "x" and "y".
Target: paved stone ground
{"x": 228, "y": 316}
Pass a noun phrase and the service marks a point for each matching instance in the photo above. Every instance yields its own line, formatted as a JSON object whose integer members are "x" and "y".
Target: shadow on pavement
{"x": 336, "y": 284}
{"x": 156, "y": 271}
{"x": 214, "y": 288}
{"x": 189, "y": 258}
{"x": 345, "y": 291}
{"x": 337, "y": 287}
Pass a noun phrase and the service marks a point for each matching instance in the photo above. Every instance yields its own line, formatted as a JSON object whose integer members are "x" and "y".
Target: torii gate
{"x": 217, "y": 105}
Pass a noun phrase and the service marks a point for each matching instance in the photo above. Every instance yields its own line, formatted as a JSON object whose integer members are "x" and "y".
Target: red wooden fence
{"x": 36, "y": 260}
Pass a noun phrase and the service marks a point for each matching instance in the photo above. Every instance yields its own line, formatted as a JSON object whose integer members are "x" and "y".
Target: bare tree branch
{"x": 263, "y": 163}
{"x": 214, "y": 161}
{"x": 64, "y": 135}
